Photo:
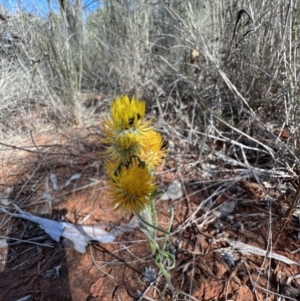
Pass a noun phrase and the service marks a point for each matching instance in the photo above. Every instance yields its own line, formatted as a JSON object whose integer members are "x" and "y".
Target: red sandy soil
{"x": 115, "y": 271}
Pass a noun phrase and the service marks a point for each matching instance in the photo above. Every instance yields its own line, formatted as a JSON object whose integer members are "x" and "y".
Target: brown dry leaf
{"x": 285, "y": 134}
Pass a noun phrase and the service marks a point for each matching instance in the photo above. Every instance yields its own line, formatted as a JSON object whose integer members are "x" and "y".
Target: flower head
{"x": 128, "y": 135}
{"x": 151, "y": 151}
{"x": 133, "y": 151}
{"x": 127, "y": 113}
{"x": 130, "y": 187}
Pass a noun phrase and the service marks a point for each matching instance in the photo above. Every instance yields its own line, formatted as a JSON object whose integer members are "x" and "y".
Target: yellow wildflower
{"x": 127, "y": 113}
{"x": 151, "y": 152}
{"x": 127, "y": 135}
{"x": 134, "y": 150}
{"x": 131, "y": 188}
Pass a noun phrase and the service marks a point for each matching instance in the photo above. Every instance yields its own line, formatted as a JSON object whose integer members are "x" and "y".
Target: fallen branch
{"x": 244, "y": 248}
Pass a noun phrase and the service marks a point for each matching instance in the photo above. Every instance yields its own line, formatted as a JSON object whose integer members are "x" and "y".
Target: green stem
{"x": 152, "y": 226}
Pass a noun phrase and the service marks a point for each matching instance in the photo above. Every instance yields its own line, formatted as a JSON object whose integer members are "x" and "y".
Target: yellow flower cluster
{"x": 134, "y": 149}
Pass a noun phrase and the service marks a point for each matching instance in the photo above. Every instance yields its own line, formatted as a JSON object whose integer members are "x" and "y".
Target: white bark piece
{"x": 74, "y": 177}
{"x": 53, "y": 179}
{"x": 129, "y": 227}
{"x": 79, "y": 235}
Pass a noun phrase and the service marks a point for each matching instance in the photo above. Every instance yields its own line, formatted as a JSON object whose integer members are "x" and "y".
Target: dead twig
{"x": 287, "y": 218}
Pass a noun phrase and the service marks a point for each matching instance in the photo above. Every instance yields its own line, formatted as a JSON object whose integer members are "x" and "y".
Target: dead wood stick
{"x": 287, "y": 217}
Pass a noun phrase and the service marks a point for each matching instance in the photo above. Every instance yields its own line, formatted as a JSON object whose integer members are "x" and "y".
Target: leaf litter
{"x": 199, "y": 238}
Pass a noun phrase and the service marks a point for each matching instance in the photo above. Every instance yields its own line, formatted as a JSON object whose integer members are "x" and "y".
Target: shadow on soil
{"x": 36, "y": 270}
